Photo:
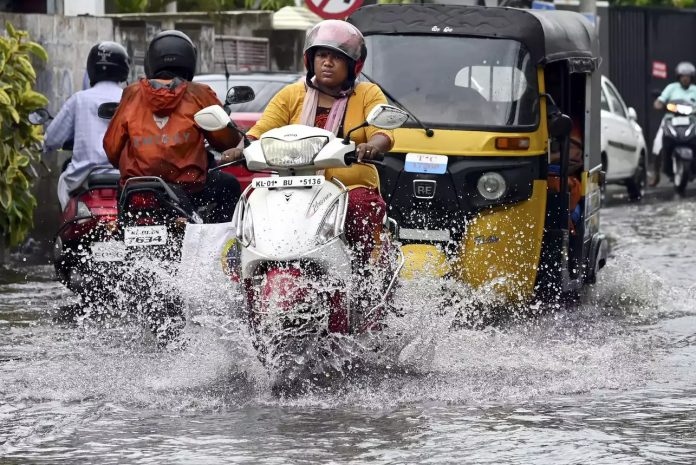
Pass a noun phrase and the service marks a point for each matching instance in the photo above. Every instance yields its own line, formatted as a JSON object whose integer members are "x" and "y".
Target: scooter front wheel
{"x": 681, "y": 174}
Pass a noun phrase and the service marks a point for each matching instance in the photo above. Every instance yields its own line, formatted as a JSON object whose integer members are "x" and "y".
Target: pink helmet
{"x": 340, "y": 36}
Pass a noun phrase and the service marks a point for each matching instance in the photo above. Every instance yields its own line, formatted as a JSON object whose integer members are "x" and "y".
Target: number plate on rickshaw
{"x": 287, "y": 181}
{"x": 145, "y": 235}
{"x": 425, "y": 163}
{"x": 681, "y": 121}
{"x": 110, "y": 251}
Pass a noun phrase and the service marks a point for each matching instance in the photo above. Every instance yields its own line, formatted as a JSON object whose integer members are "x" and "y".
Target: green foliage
{"x": 131, "y": 6}
{"x": 662, "y": 3}
{"x": 17, "y": 135}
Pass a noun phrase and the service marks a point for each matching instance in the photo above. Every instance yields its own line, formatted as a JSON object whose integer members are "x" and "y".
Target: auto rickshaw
{"x": 494, "y": 95}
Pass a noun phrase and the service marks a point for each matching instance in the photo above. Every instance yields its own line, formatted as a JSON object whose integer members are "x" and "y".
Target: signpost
{"x": 333, "y": 9}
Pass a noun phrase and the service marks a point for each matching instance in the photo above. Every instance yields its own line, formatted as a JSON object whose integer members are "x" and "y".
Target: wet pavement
{"x": 612, "y": 380}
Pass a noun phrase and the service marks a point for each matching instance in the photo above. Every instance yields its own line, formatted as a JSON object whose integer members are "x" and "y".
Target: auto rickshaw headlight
{"x": 492, "y": 185}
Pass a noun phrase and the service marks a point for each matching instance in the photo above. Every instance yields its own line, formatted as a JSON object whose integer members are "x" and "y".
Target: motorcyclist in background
{"x": 153, "y": 132}
{"x": 108, "y": 65}
{"x": 681, "y": 90}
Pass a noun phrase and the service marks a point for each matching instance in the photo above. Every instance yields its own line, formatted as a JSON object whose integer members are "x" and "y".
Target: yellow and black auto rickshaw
{"x": 480, "y": 181}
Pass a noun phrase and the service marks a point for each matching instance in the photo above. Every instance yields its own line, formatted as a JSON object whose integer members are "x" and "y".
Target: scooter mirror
{"x": 212, "y": 118}
{"x": 39, "y": 116}
{"x": 387, "y": 117}
{"x": 107, "y": 110}
{"x": 239, "y": 94}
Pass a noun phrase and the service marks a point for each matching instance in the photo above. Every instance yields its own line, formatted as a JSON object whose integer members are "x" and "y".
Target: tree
{"x": 19, "y": 139}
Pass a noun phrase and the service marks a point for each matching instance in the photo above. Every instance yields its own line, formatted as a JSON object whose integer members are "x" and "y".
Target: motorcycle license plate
{"x": 425, "y": 163}
{"x": 681, "y": 121}
{"x": 145, "y": 235}
{"x": 287, "y": 181}
{"x": 110, "y": 251}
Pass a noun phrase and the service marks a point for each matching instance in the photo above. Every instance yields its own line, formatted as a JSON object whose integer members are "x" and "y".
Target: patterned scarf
{"x": 338, "y": 109}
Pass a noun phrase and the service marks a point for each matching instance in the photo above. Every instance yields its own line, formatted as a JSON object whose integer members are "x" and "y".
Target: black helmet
{"x": 171, "y": 54}
{"x": 107, "y": 61}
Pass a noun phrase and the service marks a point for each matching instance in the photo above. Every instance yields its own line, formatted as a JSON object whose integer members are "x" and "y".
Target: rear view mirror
{"x": 107, "y": 110}
{"x": 632, "y": 115}
{"x": 39, "y": 116}
{"x": 387, "y": 117}
{"x": 212, "y": 118}
{"x": 560, "y": 125}
{"x": 239, "y": 94}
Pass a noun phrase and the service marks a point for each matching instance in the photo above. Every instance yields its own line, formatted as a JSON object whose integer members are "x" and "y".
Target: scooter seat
{"x": 103, "y": 180}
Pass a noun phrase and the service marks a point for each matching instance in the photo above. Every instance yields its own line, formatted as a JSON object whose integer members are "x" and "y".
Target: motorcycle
{"x": 679, "y": 142}
{"x": 81, "y": 251}
{"x": 299, "y": 281}
{"x": 152, "y": 217}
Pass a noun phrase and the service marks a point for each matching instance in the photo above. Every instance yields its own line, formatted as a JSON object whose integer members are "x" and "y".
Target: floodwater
{"x": 612, "y": 380}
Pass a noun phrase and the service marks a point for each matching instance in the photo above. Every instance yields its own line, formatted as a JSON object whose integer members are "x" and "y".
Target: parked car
{"x": 623, "y": 144}
{"x": 265, "y": 86}
{"x": 245, "y": 115}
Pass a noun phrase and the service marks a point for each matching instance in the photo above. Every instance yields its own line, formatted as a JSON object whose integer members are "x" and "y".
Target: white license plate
{"x": 681, "y": 121}
{"x": 145, "y": 235}
{"x": 425, "y": 163}
{"x": 287, "y": 181}
{"x": 434, "y": 235}
{"x": 111, "y": 251}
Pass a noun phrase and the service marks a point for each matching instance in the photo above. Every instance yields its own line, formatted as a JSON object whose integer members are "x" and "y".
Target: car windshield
{"x": 459, "y": 82}
{"x": 264, "y": 91}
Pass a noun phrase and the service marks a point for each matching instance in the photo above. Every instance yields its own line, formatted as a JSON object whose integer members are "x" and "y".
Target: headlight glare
{"x": 492, "y": 185}
{"x": 292, "y": 153}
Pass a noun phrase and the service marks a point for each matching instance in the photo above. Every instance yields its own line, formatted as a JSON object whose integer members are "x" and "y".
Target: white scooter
{"x": 294, "y": 261}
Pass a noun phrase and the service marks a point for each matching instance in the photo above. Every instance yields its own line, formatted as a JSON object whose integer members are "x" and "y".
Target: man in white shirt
{"x": 108, "y": 65}
{"x": 683, "y": 90}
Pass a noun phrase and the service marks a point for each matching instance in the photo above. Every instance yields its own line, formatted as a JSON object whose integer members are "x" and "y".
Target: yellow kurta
{"x": 286, "y": 108}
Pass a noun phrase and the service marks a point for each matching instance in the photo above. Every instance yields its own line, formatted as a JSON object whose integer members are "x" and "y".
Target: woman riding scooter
{"x": 334, "y": 55}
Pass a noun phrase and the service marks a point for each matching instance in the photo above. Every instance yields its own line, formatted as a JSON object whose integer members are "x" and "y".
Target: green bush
{"x": 18, "y": 138}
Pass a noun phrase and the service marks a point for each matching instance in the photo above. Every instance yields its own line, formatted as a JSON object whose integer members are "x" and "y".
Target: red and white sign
{"x": 659, "y": 69}
{"x": 333, "y": 9}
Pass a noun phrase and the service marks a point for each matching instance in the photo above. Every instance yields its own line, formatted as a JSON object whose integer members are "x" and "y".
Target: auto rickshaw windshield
{"x": 457, "y": 82}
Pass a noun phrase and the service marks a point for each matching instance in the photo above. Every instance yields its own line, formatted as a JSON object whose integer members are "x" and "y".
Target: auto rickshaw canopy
{"x": 549, "y": 36}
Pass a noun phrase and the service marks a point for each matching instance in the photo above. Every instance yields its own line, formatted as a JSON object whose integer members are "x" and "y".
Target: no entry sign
{"x": 333, "y": 9}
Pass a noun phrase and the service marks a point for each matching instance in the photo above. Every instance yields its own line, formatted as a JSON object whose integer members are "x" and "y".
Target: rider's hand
{"x": 232, "y": 154}
{"x": 366, "y": 151}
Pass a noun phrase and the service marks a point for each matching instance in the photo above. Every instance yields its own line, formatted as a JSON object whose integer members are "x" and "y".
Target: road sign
{"x": 333, "y": 9}
{"x": 659, "y": 69}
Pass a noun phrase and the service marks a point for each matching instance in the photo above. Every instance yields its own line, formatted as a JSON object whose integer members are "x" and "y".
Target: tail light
{"x": 97, "y": 203}
{"x": 143, "y": 201}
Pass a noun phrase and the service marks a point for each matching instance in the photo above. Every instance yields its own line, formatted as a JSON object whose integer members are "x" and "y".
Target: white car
{"x": 623, "y": 145}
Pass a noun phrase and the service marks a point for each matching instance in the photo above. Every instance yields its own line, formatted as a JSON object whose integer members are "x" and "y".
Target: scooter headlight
{"x": 492, "y": 185}
{"x": 332, "y": 224}
{"x": 285, "y": 153}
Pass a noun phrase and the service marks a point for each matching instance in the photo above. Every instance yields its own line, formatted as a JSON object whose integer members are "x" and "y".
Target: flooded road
{"x": 612, "y": 380}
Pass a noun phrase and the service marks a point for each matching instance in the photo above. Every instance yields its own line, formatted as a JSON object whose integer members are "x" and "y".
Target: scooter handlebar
{"x": 350, "y": 158}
